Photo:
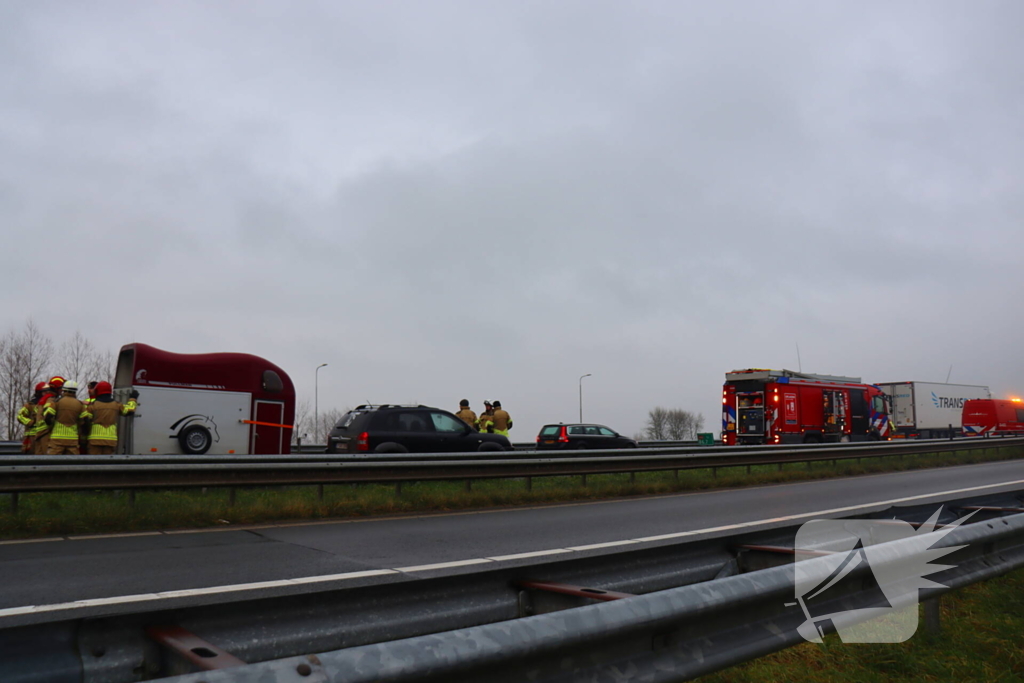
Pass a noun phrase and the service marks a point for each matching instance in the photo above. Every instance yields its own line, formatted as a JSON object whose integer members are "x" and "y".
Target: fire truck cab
{"x": 782, "y": 406}
{"x": 216, "y": 403}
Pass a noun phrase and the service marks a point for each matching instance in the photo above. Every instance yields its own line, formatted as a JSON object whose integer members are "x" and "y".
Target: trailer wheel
{"x": 195, "y": 439}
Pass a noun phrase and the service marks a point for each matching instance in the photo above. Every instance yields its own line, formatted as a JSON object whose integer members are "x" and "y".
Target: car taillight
{"x": 363, "y": 442}
{"x": 563, "y": 436}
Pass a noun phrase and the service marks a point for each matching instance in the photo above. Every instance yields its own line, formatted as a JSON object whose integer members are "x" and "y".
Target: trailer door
{"x": 267, "y": 432}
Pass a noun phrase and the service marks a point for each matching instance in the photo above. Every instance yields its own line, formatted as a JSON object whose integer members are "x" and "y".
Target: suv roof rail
{"x": 377, "y": 406}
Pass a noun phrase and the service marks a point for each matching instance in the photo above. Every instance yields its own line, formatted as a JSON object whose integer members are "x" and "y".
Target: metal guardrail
{"x": 669, "y": 635}
{"x": 69, "y": 473}
{"x": 676, "y": 635}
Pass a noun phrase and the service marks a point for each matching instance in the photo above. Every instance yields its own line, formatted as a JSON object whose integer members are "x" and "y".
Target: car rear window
{"x": 550, "y": 430}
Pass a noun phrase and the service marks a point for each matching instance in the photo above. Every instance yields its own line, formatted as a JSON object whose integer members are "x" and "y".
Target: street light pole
{"x": 581, "y": 395}
{"x": 316, "y": 401}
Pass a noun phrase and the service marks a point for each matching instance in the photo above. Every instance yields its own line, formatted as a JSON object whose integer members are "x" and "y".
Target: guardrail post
{"x": 398, "y": 489}
{"x": 320, "y": 493}
{"x": 231, "y": 497}
{"x": 131, "y": 499}
{"x": 677, "y": 475}
{"x": 14, "y": 503}
{"x": 632, "y": 477}
{"x": 748, "y": 469}
{"x": 529, "y": 483}
{"x": 583, "y": 480}
{"x": 780, "y": 467}
{"x": 932, "y": 615}
{"x": 714, "y": 473}
{"x": 469, "y": 485}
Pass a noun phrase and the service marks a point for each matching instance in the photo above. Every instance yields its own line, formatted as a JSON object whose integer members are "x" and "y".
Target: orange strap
{"x": 267, "y": 424}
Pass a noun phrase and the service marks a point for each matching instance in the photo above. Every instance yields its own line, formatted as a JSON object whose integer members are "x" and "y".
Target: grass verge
{"x": 68, "y": 513}
{"x": 980, "y": 640}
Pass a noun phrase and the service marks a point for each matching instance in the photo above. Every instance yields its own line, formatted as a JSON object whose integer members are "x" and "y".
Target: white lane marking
{"x": 212, "y": 590}
{"x": 595, "y": 546}
{"x": 32, "y": 540}
{"x": 536, "y": 553}
{"x": 443, "y": 565}
{"x": 128, "y": 534}
{"x": 189, "y": 592}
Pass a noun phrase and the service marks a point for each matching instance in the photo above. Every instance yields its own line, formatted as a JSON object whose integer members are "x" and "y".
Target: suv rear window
{"x": 347, "y": 419}
{"x": 550, "y": 430}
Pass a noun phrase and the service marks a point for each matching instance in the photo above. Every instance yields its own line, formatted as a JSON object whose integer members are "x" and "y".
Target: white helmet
{"x": 70, "y": 386}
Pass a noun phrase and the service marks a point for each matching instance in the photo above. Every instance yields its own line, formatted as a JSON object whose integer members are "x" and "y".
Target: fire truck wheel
{"x": 195, "y": 439}
{"x": 812, "y": 438}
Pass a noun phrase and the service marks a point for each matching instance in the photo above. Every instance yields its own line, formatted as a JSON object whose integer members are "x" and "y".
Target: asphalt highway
{"x": 52, "y": 574}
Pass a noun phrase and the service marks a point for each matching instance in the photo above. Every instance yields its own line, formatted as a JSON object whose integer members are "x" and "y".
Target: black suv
{"x": 408, "y": 429}
{"x": 573, "y": 436}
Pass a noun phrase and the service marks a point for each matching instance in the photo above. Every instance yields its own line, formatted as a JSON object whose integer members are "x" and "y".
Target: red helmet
{"x": 103, "y": 388}
{"x": 56, "y": 382}
{"x": 40, "y": 386}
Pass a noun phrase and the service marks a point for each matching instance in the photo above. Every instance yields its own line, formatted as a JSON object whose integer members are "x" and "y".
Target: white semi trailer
{"x": 928, "y": 410}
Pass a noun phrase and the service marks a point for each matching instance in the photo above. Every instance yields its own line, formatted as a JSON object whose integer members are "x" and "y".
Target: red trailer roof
{"x": 142, "y": 364}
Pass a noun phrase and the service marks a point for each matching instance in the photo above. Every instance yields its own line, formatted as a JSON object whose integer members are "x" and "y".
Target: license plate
{"x": 552, "y": 441}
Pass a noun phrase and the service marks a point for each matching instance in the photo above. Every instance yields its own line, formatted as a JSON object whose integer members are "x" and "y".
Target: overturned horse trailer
{"x": 216, "y": 403}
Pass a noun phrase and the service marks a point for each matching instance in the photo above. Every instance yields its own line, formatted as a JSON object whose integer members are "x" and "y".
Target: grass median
{"x": 979, "y": 641}
{"x": 89, "y": 512}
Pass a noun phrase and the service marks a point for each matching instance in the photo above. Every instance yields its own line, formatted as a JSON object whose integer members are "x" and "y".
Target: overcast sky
{"x": 486, "y": 200}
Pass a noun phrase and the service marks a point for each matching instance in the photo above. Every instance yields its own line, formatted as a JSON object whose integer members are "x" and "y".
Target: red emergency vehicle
{"x": 782, "y": 406}
{"x": 993, "y": 417}
{"x": 216, "y": 403}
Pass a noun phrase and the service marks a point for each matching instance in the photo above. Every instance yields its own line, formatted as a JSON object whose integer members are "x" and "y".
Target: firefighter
{"x": 43, "y": 429}
{"x": 27, "y": 417}
{"x": 65, "y": 416}
{"x": 83, "y": 434}
{"x": 502, "y": 420}
{"x": 467, "y": 415}
{"x": 101, "y": 416}
{"x": 486, "y": 422}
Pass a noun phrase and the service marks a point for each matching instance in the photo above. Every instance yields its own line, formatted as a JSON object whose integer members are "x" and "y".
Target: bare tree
{"x": 672, "y": 424}
{"x": 656, "y": 428}
{"x": 697, "y": 425}
{"x": 76, "y": 358}
{"x": 327, "y": 421}
{"x": 678, "y": 424}
{"x": 103, "y": 367}
{"x": 303, "y": 422}
{"x": 25, "y": 359}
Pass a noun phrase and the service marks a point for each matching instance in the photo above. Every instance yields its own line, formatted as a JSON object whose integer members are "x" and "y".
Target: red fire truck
{"x": 993, "y": 417}
{"x": 216, "y": 403}
{"x": 782, "y": 406}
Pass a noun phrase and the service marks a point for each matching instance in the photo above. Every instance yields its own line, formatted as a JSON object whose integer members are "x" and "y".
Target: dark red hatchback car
{"x": 578, "y": 436}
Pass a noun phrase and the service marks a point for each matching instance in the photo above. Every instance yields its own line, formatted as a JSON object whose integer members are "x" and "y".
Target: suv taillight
{"x": 563, "y": 436}
{"x": 363, "y": 442}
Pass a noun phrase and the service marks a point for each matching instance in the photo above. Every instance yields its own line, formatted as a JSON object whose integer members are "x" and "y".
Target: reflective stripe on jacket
{"x": 103, "y": 415}
{"x": 27, "y": 415}
{"x": 67, "y": 413}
